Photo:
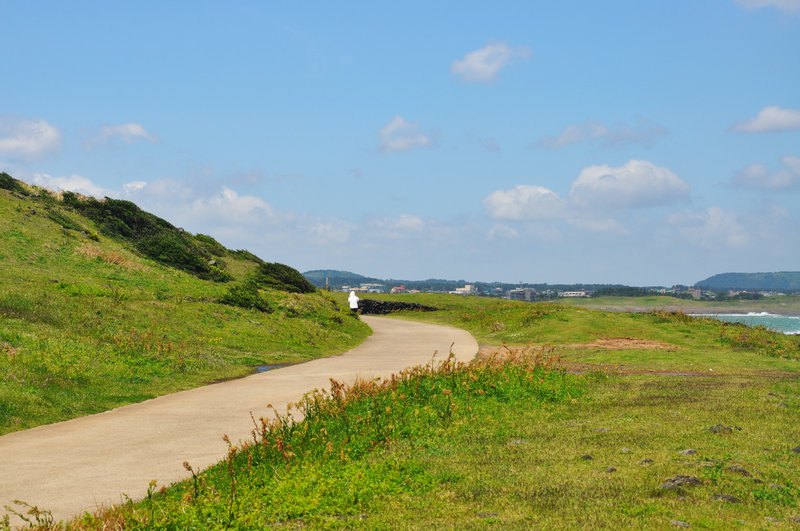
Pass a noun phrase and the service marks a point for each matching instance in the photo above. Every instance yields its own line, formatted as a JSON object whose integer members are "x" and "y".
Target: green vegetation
{"x": 152, "y": 236}
{"x": 787, "y": 281}
{"x": 525, "y": 443}
{"x": 357, "y": 446}
{"x": 692, "y": 342}
{"x": 87, "y": 323}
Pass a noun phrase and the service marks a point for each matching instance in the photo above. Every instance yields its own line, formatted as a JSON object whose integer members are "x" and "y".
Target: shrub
{"x": 59, "y": 218}
{"x": 7, "y": 182}
{"x": 152, "y": 236}
{"x": 246, "y": 295}
{"x": 211, "y": 245}
{"x": 282, "y": 277}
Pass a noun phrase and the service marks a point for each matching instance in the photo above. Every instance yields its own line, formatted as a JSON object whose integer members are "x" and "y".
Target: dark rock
{"x": 488, "y": 515}
{"x": 680, "y": 523}
{"x": 727, "y": 498}
{"x": 601, "y": 430}
{"x": 375, "y": 307}
{"x": 587, "y": 457}
{"x": 796, "y": 449}
{"x": 611, "y": 469}
{"x": 688, "y": 451}
{"x": 781, "y": 405}
{"x": 679, "y": 481}
{"x": 721, "y": 428}
{"x": 772, "y": 394}
{"x": 646, "y": 461}
{"x": 794, "y": 519}
{"x": 739, "y": 470}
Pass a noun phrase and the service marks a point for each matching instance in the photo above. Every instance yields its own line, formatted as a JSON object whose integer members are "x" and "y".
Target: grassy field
{"x": 699, "y": 425}
{"x": 88, "y": 324}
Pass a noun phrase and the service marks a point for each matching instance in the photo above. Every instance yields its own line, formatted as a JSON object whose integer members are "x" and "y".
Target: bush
{"x": 7, "y": 182}
{"x": 211, "y": 245}
{"x": 59, "y": 218}
{"x": 152, "y": 236}
{"x": 282, "y": 277}
{"x": 246, "y": 295}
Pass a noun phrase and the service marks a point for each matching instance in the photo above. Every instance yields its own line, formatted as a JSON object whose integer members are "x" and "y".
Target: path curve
{"x": 85, "y": 463}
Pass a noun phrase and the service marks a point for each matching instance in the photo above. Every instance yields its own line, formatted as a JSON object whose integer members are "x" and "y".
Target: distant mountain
{"x": 786, "y": 281}
{"x": 336, "y": 279}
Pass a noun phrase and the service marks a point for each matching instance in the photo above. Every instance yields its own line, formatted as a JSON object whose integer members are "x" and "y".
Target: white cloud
{"x": 787, "y": 6}
{"x": 483, "y": 64}
{"x": 73, "y": 183}
{"x": 710, "y": 228}
{"x": 617, "y": 135}
{"x": 502, "y": 232}
{"x": 231, "y": 208}
{"x": 524, "y": 202}
{"x": 406, "y": 222}
{"x": 758, "y": 176}
{"x": 336, "y": 232}
{"x": 638, "y": 183}
{"x": 585, "y": 221}
{"x": 399, "y": 135}
{"x": 770, "y": 119}
{"x": 27, "y": 140}
{"x": 127, "y": 133}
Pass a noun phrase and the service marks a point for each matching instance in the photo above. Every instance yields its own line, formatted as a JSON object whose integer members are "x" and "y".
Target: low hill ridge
{"x": 786, "y": 281}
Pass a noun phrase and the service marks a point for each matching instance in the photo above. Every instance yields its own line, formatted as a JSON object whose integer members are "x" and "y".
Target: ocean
{"x": 788, "y": 324}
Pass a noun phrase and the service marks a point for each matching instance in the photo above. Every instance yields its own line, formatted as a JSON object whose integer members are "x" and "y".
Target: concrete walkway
{"x": 83, "y": 464}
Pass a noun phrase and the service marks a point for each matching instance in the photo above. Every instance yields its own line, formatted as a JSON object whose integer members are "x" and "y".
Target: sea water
{"x": 788, "y": 324}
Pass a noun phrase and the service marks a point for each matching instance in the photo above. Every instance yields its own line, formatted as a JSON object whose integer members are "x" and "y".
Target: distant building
{"x": 522, "y": 294}
{"x": 468, "y": 289}
{"x": 696, "y": 293}
{"x": 579, "y": 293}
{"x": 400, "y": 289}
{"x": 373, "y": 287}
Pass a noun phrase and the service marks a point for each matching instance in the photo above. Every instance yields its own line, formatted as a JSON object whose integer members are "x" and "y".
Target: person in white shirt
{"x": 353, "y": 300}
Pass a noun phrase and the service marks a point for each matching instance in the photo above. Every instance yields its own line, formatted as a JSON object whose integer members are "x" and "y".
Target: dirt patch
{"x": 609, "y": 343}
{"x": 620, "y": 343}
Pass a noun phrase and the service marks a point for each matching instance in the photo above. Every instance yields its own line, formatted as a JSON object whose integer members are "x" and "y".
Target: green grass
{"x": 88, "y": 324}
{"x": 357, "y": 447}
{"x": 696, "y": 344}
{"x": 503, "y": 445}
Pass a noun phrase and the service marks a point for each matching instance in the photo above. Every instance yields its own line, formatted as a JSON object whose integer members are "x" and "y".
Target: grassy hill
{"x": 103, "y": 304}
{"x": 787, "y": 281}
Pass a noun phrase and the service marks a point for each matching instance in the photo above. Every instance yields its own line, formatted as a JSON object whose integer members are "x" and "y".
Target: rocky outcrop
{"x": 375, "y": 307}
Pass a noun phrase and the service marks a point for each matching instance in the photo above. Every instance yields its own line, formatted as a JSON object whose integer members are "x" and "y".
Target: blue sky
{"x": 623, "y": 142}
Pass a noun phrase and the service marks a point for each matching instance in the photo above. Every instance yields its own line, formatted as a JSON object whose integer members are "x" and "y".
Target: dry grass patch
{"x": 92, "y": 251}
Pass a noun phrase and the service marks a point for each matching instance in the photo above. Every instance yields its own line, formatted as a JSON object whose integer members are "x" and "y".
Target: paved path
{"x": 81, "y": 464}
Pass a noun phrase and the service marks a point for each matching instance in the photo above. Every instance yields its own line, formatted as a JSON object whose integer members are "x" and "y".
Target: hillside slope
{"x": 788, "y": 281}
{"x": 89, "y": 320}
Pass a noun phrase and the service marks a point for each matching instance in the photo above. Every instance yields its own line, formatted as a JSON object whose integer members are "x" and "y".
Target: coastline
{"x": 694, "y": 310}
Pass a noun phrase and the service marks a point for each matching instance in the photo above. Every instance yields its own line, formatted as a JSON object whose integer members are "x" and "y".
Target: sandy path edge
{"x": 85, "y": 463}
